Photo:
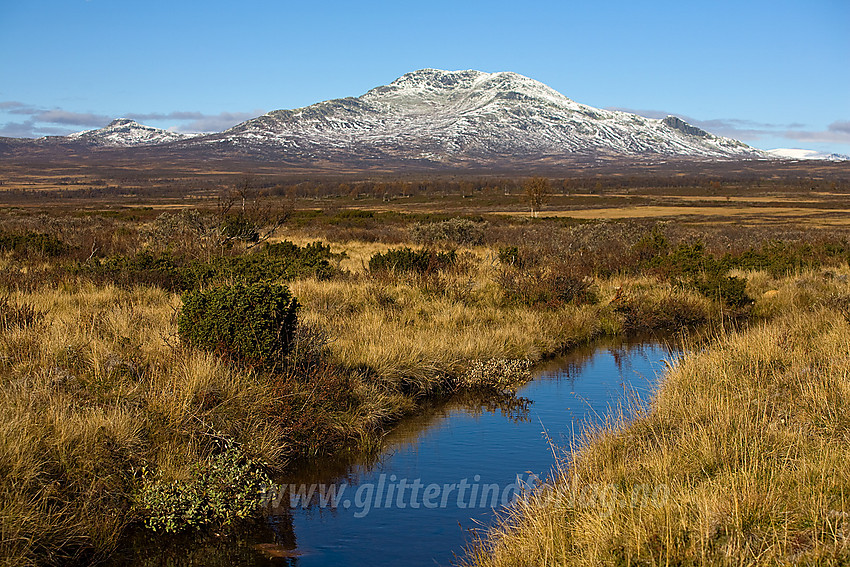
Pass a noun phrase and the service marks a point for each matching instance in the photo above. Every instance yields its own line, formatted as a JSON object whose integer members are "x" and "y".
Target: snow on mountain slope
{"x": 431, "y": 118}
{"x": 446, "y": 116}
{"x": 124, "y": 132}
{"x": 795, "y": 153}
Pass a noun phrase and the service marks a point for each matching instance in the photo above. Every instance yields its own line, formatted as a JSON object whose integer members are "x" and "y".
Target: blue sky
{"x": 774, "y": 74}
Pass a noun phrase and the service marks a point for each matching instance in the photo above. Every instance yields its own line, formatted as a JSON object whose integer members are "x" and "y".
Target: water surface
{"x": 465, "y": 451}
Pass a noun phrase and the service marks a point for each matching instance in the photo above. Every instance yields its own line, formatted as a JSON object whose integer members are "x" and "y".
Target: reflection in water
{"x": 349, "y": 468}
{"x": 468, "y": 452}
{"x": 264, "y": 543}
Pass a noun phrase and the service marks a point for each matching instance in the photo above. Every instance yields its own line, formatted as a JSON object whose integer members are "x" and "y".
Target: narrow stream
{"x": 441, "y": 474}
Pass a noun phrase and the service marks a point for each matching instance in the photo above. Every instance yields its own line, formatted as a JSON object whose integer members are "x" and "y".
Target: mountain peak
{"x": 678, "y": 124}
{"x": 435, "y": 118}
{"x": 124, "y": 132}
{"x": 118, "y": 122}
{"x": 437, "y": 78}
{"x": 468, "y": 116}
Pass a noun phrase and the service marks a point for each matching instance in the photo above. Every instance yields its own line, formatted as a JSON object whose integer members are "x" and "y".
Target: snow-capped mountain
{"x": 468, "y": 116}
{"x": 427, "y": 118}
{"x": 795, "y": 153}
{"x": 124, "y": 132}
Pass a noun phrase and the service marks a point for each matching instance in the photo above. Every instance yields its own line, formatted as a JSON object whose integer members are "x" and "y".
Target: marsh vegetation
{"x": 132, "y": 397}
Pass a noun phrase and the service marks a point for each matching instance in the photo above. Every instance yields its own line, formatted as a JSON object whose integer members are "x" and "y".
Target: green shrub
{"x": 351, "y": 218}
{"x": 314, "y": 259}
{"x": 781, "y": 258}
{"x": 252, "y": 324}
{"x": 693, "y": 267}
{"x": 407, "y": 260}
{"x": 32, "y": 243}
{"x": 239, "y": 228}
{"x": 731, "y": 290}
{"x": 650, "y": 246}
{"x": 222, "y": 489}
{"x": 510, "y": 256}
{"x": 455, "y": 231}
{"x": 161, "y": 269}
{"x": 283, "y": 261}
{"x": 688, "y": 260}
{"x": 552, "y": 286}
{"x": 640, "y": 312}
{"x": 500, "y": 374}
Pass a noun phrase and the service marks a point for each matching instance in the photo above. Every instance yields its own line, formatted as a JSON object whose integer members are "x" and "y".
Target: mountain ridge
{"x": 435, "y": 118}
{"x": 123, "y": 132}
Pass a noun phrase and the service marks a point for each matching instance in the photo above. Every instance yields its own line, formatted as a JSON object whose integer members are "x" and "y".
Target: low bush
{"x": 402, "y": 260}
{"x": 687, "y": 260}
{"x": 32, "y": 243}
{"x": 500, "y": 374}
{"x": 283, "y": 261}
{"x": 457, "y": 231}
{"x": 693, "y": 267}
{"x": 510, "y": 256}
{"x": 551, "y": 286}
{"x": 782, "y": 258}
{"x": 651, "y": 245}
{"x": 670, "y": 309}
{"x": 147, "y": 268}
{"x": 314, "y": 259}
{"x": 238, "y": 227}
{"x": 731, "y": 290}
{"x": 252, "y": 324}
{"x": 221, "y": 489}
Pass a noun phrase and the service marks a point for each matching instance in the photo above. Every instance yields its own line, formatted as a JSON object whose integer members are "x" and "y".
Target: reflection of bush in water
{"x": 222, "y": 548}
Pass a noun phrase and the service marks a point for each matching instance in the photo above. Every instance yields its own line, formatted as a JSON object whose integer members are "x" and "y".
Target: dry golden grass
{"x": 99, "y": 387}
{"x": 659, "y": 211}
{"x": 90, "y": 393}
{"x": 741, "y": 459}
{"x": 415, "y": 330}
{"x": 403, "y": 333}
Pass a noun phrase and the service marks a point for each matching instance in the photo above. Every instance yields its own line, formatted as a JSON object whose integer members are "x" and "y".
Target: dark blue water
{"x": 465, "y": 442}
{"x": 459, "y": 463}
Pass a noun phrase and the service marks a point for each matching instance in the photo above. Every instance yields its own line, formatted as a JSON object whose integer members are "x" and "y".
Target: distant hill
{"x": 792, "y": 153}
{"x": 428, "y": 118}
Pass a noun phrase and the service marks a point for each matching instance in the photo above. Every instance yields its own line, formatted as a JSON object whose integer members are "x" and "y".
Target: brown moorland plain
{"x": 113, "y": 421}
{"x": 789, "y": 192}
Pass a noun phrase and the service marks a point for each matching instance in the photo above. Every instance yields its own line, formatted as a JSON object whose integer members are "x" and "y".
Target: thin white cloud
{"x": 217, "y": 122}
{"x": 29, "y": 129}
{"x": 25, "y": 129}
{"x": 16, "y": 107}
{"x": 177, "y": 115}
{"x": 41, "y": 121}
{"x": 72, "y": 118}
{"x": 731, "y": 127}
{"x": 837, "y": 133}
{"x": 53, "y": 116}
{"x": 830, "y": 136}
{"x": 840, "y": 126}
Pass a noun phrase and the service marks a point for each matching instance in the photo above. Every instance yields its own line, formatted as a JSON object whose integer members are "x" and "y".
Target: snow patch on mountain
{"x": 796, "y": 153}
{"x": 433, "y": 117}
{"x": 472, "y": 115}
{"x": 124, "y": 132}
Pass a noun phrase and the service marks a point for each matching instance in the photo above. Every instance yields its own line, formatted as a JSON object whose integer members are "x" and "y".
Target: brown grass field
{"x": 110, "y": 417}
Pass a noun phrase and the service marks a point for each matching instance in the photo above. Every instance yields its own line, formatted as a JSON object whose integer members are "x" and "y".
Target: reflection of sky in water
{"x": 442, "y": 446}
{"x": 460, "y": 444}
